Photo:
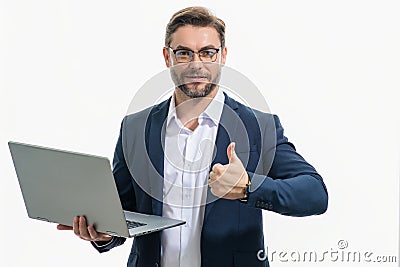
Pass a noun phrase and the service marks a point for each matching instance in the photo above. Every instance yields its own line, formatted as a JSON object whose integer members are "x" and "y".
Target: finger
{"x": 213, "y": 177}
{"x": 218, "y": 191}
{"x": 230, "y": 151}
{"x": 92, "y": 232}
{"x": 229, "y": 193}
{"x": 214, "y": 191}
{"x": 75, "y": 224}
{"x": 224, "y": 183}
{"x": 220, "y": 183}
{"x": 64, "y": 227}
{"x": 83, "y": 231}
{"x": 211, "y": 182}
{"x": 96, "y": 236}
{"x": 217, "y": 168}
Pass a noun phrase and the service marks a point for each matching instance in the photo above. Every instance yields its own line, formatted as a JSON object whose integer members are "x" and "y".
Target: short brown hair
{"x": 194, "y": 16}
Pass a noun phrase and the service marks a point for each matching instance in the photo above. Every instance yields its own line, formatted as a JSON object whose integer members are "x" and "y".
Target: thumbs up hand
{"x": 229, "y": 181}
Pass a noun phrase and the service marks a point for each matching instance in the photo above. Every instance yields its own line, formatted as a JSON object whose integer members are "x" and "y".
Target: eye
{"x": 207, "y": 53}
{"x": 182, "y": 53}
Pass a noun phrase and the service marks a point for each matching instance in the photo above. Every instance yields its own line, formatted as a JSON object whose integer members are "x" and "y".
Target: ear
{"x": 166, "y": 57}
{"x": 223, "y": 54}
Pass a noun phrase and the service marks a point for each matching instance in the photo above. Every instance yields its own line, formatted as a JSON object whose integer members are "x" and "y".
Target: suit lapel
{"x": 225, "y": 135}
{"x": 155, "y": 136}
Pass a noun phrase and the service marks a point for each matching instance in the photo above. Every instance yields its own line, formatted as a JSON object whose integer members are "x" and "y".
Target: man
{"x": 212, "y": 162}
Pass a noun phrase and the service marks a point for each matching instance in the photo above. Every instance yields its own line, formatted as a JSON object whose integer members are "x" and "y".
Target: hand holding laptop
{"x": 85, "y": 232}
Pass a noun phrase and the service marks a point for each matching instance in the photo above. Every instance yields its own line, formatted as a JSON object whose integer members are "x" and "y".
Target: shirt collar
{"x": 213, "y": 110}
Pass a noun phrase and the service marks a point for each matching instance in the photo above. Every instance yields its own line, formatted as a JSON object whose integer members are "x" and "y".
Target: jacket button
{"x": 156, "y": 265}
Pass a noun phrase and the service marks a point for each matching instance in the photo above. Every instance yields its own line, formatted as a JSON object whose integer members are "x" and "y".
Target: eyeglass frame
{"x": 196, "y": 52}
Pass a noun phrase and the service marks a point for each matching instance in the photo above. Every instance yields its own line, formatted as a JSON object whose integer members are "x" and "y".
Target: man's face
{"x": 195, "y": 78}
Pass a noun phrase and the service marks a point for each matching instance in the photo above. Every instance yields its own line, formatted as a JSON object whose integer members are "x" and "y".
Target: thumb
{"x": 231, "y": 152}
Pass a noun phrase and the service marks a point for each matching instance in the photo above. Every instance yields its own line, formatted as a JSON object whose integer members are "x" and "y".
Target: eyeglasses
{"x": 187, "y": 55}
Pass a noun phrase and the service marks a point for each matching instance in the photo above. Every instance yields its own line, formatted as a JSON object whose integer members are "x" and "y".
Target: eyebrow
{"x": 187, "y": 48}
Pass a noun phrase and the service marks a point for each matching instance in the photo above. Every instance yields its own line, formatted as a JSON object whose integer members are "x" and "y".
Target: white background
{"x": 329, "y": 69}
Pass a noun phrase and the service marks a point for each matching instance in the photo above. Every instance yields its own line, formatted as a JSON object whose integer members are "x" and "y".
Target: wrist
{"x": 246, "y": 189}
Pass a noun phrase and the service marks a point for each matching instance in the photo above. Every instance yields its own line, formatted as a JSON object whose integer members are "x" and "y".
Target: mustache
{"x": 196, "y": 74}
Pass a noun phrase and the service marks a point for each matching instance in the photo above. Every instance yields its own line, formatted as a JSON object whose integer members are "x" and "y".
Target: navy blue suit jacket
{"x": 232, "y": 233}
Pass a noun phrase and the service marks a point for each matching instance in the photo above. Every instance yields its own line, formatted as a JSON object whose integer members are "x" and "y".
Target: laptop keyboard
{"x": 132, "y": 224}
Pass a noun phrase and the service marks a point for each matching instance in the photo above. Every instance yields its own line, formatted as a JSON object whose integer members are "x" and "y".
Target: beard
{"x": 195, "y": 89}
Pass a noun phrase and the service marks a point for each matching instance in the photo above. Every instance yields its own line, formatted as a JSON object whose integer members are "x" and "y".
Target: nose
{"x": 196, "y": 63}
{"x": 196, "y": 56}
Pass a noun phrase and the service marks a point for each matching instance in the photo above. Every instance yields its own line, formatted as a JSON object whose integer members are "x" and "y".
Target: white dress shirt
{"x": 187, "y": 162}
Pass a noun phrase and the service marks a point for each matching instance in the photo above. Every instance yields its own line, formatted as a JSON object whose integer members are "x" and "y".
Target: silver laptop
{"x": 57, "y": 185}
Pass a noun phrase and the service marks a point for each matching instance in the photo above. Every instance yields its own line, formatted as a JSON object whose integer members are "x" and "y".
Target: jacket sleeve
{"x": 292, "y": 186}
{"x": 123, "y": 181}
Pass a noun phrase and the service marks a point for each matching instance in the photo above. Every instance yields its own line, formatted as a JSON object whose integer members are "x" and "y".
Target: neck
{"x": 188, "y": 109}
